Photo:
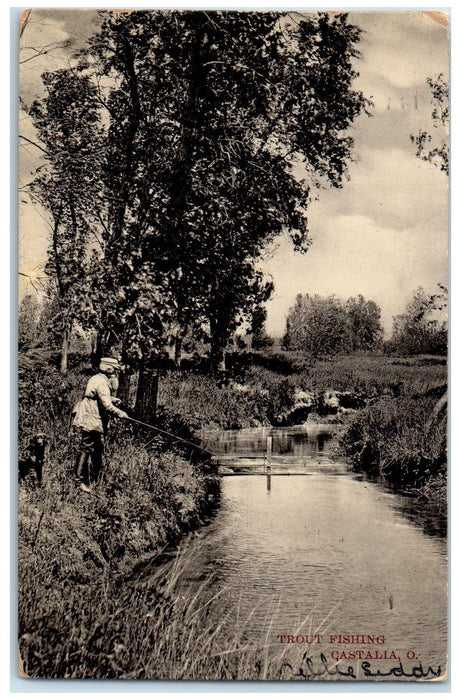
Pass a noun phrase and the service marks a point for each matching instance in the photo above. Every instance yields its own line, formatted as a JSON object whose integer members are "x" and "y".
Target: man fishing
{"x": 91, "y": 416}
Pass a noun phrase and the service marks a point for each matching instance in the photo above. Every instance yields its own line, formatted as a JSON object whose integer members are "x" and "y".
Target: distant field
{"x": 260, "y": 386}
{"x": 369, "y": 373}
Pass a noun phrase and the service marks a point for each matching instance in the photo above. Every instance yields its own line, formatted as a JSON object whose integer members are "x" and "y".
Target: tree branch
{"x": 34, "y": 144}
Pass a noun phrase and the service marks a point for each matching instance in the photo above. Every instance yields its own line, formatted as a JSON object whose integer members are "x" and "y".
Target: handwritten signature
{"x": 309, "y": 672}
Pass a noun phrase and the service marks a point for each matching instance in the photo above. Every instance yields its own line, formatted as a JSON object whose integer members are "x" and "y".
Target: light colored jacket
{"x": 97, "y": 397}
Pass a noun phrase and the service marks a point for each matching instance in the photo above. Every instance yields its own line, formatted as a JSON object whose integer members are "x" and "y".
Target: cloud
{"x": 392, "y": 188}
{"x": 355, "y": 256}
{"x": 401, "y": 47}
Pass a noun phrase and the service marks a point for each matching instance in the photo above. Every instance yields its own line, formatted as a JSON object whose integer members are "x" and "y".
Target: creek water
{"x": 299, "y": 545}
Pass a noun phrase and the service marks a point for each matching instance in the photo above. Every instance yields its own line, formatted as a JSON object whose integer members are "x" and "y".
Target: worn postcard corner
{"x": 21, "y": 667}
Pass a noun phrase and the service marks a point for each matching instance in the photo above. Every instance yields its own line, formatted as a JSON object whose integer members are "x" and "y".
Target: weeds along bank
{"x": 394, "y": 432}
{"x": 403, "y": 442}
{"x": 86, "y": 604}
{"x": 263, "y": 389}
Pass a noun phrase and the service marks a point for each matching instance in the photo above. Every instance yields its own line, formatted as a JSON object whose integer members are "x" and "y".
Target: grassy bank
{"x": 81, "y": 558}
{"x": 395, "y": 436}
{"x": 81, "y": 555}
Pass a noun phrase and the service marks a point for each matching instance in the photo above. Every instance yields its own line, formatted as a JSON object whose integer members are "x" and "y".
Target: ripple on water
{"x": 324, "y": 552}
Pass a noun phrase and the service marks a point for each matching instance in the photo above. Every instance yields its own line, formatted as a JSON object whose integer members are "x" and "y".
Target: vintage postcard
{"x": 233, "y": 270}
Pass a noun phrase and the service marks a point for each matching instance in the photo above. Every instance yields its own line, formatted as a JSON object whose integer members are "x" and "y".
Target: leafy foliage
{"x": 438, "y": 155}
{"x": 177, "y": 147}
{"x": 260, "y": 338}
{"x": 364, "y": 323}
{"x": 66, "y": 122}
{"x": 423, "y": 327}
{"x": 28, "y": 319}
{"x": 325, "y": 325}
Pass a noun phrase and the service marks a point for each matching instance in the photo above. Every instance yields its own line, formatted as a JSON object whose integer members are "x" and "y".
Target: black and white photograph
{"x": 233, "y": 252}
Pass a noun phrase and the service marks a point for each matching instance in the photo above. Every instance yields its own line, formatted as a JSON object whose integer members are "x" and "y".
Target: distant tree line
{"x": 327, "y": 326}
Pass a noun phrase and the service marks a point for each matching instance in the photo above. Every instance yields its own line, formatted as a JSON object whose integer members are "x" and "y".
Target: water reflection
{"x": 434, "y": 523}
{"x": 298, "y": 441}
{"x": 335, "y": 551}
{"x": 303, "y": 450}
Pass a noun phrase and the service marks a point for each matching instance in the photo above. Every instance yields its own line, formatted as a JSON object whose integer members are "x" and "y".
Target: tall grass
{"x": 262, "y": 391}
{"x": 147, "y": 625}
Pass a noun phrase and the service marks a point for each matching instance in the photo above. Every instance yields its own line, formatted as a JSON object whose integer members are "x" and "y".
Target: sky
{"x": 383, "y": 234}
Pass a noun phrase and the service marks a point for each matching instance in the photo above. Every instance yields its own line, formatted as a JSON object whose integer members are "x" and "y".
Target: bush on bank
{"x": 399, "y": 441}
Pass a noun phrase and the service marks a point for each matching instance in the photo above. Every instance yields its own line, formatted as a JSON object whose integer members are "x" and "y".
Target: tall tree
{"x": 214, "y": 129}
{"x": 260, "y": 338}
{"x": 364, "y": 323}
{"x": 317, "y": 325}
{"x": 68, "y": 186}
{"x": 421, "y": 328}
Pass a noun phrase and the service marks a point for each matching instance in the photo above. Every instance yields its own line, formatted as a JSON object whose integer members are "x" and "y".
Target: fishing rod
{"x": 165, "y": 432}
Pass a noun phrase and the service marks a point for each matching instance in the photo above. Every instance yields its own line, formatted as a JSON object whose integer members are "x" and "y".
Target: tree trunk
{"x": 97, "y": 350}
{"x": 64, "y": 351}
{"x": 146, "y": 396}
{"x": 124, "y": 388}
{"x": 217, "y": 357}
{"x": 177, "y": 349}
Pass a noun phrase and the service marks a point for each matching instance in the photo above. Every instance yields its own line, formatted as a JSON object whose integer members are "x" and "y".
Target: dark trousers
{"x": 89, "y": 461}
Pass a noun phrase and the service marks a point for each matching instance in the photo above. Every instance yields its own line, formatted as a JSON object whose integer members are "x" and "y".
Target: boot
{"x": 81, "y": 469}
{"x": 96, "y": 460}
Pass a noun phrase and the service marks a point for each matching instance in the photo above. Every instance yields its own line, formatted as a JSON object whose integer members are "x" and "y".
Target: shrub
{"x": 397, "y": 441}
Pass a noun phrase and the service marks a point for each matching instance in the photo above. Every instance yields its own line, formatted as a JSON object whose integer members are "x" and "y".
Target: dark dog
{"x": 34, "y": 461}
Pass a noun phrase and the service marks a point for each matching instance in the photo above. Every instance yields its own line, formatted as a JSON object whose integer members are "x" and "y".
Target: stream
{"x": 302, "y": 554}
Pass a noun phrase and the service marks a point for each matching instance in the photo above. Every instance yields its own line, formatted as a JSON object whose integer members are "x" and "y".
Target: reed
{"x": 143, "y": 626}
